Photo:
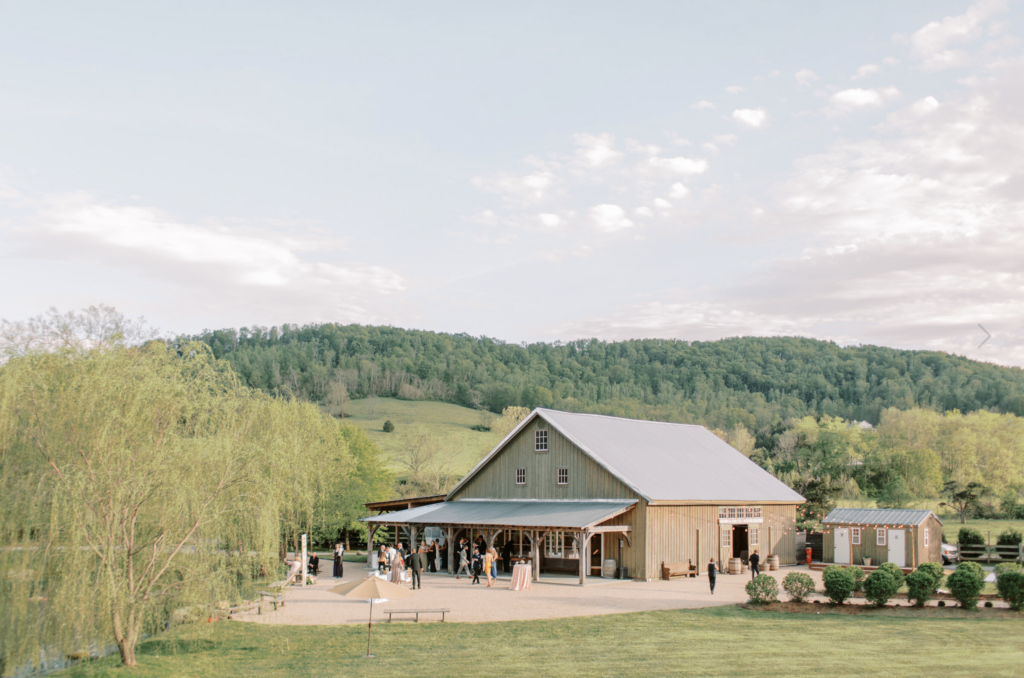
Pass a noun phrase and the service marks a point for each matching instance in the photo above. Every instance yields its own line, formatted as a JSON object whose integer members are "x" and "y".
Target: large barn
{"x": 638, "y": 493}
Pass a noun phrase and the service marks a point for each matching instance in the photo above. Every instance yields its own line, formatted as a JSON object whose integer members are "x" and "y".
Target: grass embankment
{"x": 711, "y": 642}
{"x": 443, "y": 419}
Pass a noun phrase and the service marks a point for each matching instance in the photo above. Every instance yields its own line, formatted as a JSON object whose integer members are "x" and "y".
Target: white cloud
{"x": 680, "y": 165}
{"x": 644, "y": 212}
{"x": 596, "y": 150}
{"x": 550, "y": 220}
{"x": 805, "y": 77}
{"x": 679, "y": 191}
{"x": 662, "y": 203}
{"x": 530, "y": 187}
{"x": 751, "y": 117}
{"x": 610, "y": 218}
{"x": 931, "y": 44}
{"x": 733, "y": 89}
{"x": 703, "y": 105}
{"x": 857, "y": 97}
{"x": 865, "y": 70}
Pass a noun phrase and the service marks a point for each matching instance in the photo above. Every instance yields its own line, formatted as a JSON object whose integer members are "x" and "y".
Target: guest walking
{"x": 494, "y": 562}
{"x": 477, "y": 565}
{"x": 712, "y": 574}
{"x": 755, "y": 564}
{"x": 416, "y": 567}
{"x": 488, "y": 564}
{"x": 463, "y": 560}
{"x": 339, "y": 562}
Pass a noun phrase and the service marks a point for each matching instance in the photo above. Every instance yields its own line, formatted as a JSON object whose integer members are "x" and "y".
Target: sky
{"x": 530, "y": 171}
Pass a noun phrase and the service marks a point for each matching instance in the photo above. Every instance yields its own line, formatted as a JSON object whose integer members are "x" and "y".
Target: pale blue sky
{"x": 849, "y": 171}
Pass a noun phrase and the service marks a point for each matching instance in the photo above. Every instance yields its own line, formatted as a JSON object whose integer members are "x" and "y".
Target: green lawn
{"x": 442, "y": 418}
{"x": 712, "y": 642}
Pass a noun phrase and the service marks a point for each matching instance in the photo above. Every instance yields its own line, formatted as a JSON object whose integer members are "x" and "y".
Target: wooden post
{"x": 583, "y": 539}
{"x": 449, "y": 537}
{"x": 370, "y": 559}
{"x": 412, "y": 538}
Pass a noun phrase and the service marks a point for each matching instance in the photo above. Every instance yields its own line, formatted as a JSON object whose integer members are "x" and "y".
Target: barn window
{"x": 926, "y": 537}
{"x": 880, "y": 536}
{"x": 540, "y": 441}
{"x": 563, "y": 476}
{"x": 727, "y": 538}
{"x": 855, "y": 536}
{"x": 520, "y": 476}
{"x": 755, "y": 536}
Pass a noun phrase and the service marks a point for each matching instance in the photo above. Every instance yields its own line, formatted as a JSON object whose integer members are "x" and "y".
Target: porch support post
{"x": 583, "y": 539}
{"x": 371, "y": 563}
{"x": 449, "y": 537}
{"x": 412, "y": 538}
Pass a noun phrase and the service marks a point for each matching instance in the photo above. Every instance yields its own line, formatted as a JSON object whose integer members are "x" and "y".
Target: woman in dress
{"x": 339, "y": 566}
{"x": 488, "y": 563}
{"x": 397, "y": 568}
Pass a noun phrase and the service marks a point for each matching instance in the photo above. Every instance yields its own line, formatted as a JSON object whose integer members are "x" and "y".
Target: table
{"x": 522, "y": 577}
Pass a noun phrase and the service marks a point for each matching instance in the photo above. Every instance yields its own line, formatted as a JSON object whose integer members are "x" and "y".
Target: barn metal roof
{"x": 661, "y": 461}
{"x": 509, "y": 513}
{"x": 869, "y": 516}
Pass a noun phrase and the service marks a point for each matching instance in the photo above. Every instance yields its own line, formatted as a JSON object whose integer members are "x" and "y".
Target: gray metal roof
{"x": 509, "y": 513}
{"x": 869, "y": 516}
{"x": 662, "y": 461}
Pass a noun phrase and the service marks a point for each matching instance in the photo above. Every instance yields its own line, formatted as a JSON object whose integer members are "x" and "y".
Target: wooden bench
{"x": 230, "y": 612}
{"x": 669, "y": 570}
{"x": 274, "y": 599}
{"x": 441, "y": 610}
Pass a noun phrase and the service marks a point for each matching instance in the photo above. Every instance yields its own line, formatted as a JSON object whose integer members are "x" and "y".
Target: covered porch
{"x": 553, "y": 536}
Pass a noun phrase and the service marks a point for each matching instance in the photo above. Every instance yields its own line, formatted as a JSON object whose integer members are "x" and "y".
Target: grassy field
{"x": 724, "y": 641}
{"x": 444, "y": 419}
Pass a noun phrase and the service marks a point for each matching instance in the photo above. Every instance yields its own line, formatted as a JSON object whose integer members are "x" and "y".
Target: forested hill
{"x": 752, "y": 381}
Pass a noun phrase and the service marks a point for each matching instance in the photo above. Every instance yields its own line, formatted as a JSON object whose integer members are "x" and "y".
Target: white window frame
{"x": 733, "y": 515}
{"x": 563, "y": 475}
{"x": 755, "y": 536}
{"x": 926, "y": 537}
{"x": 726, "y": 537}
{"x": 880, "y": 536}
{"x": 855, "y": 536}
{"x": 540, "y": 441}
{"x": 520, "y": 476}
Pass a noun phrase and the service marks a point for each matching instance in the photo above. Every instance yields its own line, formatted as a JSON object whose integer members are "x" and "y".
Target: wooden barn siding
{"x": 780, "y": 527}
{"x": 915, "y": 555}
{"x": 587, "y": 480}
{"x": 629, "y": 557}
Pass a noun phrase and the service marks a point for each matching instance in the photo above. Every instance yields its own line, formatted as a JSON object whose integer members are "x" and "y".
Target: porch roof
{"x": 574, "y": 514}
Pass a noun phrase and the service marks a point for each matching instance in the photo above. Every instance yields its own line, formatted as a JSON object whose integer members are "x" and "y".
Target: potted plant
{"x": 867, "y": 561}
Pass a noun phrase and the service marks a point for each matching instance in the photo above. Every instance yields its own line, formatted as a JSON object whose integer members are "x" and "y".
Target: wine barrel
{"x": 608, "y": 570}
{"x": 773, "y": 562}
{"x": 735, "y": 566}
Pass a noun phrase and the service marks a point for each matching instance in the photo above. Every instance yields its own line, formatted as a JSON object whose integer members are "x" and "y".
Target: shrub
{"x": 858, "y": 578}
{"x": 1001, "y": 568}
{"x": 1009, "y": 537}
{"x": 763, "y": 589}
{"x": 920, "y": 585}
{"x": 1010, "y": 585}
{"x": 388, "y": 426}
{"x": 895, "y": 572}
{"x": 880, "y": 586}
{"x": 969, "y": 537}
{"x": 933, "y": 570}
{"x": 966, "y": 583}
{"x": 838, "y": 583}
{"x": 798, "y": 585}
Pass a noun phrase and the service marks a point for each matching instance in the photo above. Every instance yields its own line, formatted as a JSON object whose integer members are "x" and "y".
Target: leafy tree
{"x": 896, "y": 494}
{"x": 963, "y": 499}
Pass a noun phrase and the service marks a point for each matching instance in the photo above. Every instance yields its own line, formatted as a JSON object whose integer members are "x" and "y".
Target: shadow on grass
{"x": 172, "y": 646}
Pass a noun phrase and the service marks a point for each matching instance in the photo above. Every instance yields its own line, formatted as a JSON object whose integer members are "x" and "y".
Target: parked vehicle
{"x": 950, "y": 554}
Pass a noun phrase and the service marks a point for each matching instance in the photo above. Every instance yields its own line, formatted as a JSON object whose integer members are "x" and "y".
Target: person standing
{"x": 339, "y": 563}
{"x": 506, "y": 556}
{"x": 494, "y": 562}
{"x": 488, "y": 564}
{"x": 416, "y": 567}
{"x": 397, "y": 568}
{"x": 712, "y": 574}
{"x": 431, "y": 556}
{"x": 477, "y": 565}
{"x": 755, "y": 564}
{"x": 463, "y": 560}
{"x": 382, "y": 558}
{"x": 443, "y": 550}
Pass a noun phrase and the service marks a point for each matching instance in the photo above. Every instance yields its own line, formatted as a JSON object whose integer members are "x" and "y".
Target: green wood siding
{"x": 916, "y": 553}
{"x": 587, "y": 479}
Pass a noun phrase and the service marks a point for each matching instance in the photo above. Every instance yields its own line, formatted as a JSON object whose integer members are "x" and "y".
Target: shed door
{"x": 842, "y": 546}
{"x": 898, "y": 547}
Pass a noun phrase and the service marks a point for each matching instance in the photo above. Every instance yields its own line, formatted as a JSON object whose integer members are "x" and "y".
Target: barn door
{"x": 841, "y": 553}
{"x": 898, "y": 547}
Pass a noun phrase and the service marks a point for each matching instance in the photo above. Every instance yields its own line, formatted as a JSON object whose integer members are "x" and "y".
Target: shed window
{"x": 880, "y": 536}
{"x": 563, "y": 476}
{"x": 926, "y": 537}
{"x": 726, "y": 537}
{"x": 755, "y": 536}
{"x": 540, "y": 441}
{"x": 855, "y": 536}
{"x": 520, "y": 476}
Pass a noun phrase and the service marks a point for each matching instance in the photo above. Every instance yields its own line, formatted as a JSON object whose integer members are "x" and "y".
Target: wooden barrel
{"x": 735, "y": 566}
{"x": 773, "y": 562}
{"x": 608, "y": 570}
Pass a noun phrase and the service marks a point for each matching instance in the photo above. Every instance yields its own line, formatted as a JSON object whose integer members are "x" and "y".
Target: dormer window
{"x": 540, "y": 441}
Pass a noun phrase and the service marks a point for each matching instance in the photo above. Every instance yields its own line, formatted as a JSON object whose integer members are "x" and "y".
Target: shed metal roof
{"x": 509, "y": 513}
{"x": 661, "y": 461}
{"x": 869, "y": 516}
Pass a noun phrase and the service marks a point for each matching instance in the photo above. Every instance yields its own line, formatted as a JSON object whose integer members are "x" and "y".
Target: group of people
{"x": 395, "y": 561}
{"x": 475, "y": 560}
{"x": 755, "y": 569}
{"x": 482, "y": 560}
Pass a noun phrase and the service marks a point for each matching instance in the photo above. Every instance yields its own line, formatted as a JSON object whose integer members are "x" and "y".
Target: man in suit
{"x": 416, "y": 567}
{"x": 506, "y": 556}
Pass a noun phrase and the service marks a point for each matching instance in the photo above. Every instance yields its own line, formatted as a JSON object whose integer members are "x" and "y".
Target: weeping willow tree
{"x": 137, "y": 482}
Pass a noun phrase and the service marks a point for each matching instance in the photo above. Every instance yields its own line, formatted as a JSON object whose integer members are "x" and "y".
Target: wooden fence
{"x": 991, "y": 553}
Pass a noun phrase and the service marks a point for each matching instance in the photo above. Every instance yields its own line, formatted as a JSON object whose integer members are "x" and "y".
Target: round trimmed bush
{"x": 880, "y": 586}
{"x": 838, "y": 583}
{"x": 1009, "y": 537}
{"x": 933, "y": 570}
{"x": 966, "y": 583}
{"x": 798, "y": 585}
{"x": 970, "y": 537}
{"x": 920, "y": 586}
{"x": 1010, "y": 585}
{"x": 763, "y": 589}
{"x": 858, "y": 578}
{"x": 388, "y": 426}
{"x": 895, "y": 572}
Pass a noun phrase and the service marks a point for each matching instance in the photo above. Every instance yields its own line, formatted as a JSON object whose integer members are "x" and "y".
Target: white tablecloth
{"x": 522, "y": 577}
